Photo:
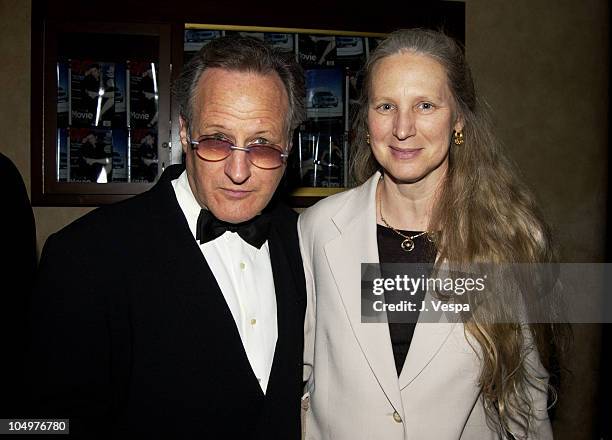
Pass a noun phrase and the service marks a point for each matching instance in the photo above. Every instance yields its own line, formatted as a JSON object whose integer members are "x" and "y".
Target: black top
{"x": 390, "y": 251}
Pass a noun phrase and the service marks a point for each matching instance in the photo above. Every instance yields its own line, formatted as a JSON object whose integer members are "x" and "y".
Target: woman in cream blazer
{"x": 354, "y": 389}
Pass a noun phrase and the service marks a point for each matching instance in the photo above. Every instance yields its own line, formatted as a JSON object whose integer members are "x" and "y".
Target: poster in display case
{"x": 143, "y": 92}
{"x": 91, "y": 153}
{"x": 319, "y": 160}
{"x": 120, "y": 156}
{"x": 91, "y": 93}
{"x": 111, "y": 112}
{"x": 143, "y": 155}
{"x": 324, "y": 93}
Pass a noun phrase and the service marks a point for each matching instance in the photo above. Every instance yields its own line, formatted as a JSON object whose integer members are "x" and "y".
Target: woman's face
{"x": 411, "y": 116}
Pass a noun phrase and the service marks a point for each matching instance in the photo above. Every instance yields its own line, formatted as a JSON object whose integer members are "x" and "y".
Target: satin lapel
{"x": 288, "y": 304}
{"x": 357, "y": 244}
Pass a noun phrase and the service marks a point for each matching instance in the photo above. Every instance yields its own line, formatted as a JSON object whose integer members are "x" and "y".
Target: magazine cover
{"x": 119, "y": 155}
{"x": 196, "y": 39}
{"x": 143, "y": 155}
{"x": 319, "y": 160}
{"x": 63, "y": 88}
{"x": 61, "y": 161}
{"x": 120, "y": 96}
{"x": 257, "y": 35}
{"x": 90, "y": 155}
{"x": 324, "y": 95}
{"x": 143, "y": 94}
{"x": 105, "y": 109}
{"x": 91, "y": 93}
{"x": 350, "y": 52}
{"x": 283, "y": 42}
{"x": 316, "y": 50}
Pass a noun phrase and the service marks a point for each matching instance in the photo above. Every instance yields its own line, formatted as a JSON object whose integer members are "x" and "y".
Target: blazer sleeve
{"x": 69, "y": 355}
{"x": 537, "y": 390}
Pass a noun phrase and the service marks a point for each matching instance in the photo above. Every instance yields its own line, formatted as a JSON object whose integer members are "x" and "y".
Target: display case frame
{"x": 47, "y": 189}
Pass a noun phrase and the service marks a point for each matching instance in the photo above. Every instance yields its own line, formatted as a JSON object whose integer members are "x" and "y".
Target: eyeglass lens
{"x": 262, "y": 156}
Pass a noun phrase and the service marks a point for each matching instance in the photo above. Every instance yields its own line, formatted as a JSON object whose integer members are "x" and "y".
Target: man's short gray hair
{"x": 243, "y": 54}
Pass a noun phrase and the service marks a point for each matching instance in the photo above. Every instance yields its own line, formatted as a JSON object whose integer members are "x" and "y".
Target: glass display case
{"x": 105, "y": 131}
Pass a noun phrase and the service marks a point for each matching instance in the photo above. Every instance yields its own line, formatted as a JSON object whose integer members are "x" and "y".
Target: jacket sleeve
{"x": 69, "y": 355}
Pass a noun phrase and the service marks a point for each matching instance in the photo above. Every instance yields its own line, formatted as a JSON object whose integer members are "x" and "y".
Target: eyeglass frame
{"x": 284, "y": 153}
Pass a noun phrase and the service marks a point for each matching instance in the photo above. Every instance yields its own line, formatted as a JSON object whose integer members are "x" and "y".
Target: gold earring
{"x": 367, "y": 138}
{"x": 458, "y": 137}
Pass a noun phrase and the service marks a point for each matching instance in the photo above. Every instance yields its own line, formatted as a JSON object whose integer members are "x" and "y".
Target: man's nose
{"x": 238, "y": 167}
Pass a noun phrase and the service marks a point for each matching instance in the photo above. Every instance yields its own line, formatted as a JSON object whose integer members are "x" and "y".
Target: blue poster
{"x": 324, "y": 93}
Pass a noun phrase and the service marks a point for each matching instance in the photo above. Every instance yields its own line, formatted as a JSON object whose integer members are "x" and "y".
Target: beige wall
{"x": 543, "y": 67}
{"x": 15, "y": 19}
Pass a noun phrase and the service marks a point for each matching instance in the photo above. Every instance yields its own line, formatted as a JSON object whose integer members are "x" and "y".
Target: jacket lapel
{"x": 427, "y": 341}
{"x": 357, "y": 244}
{"x": 290, "y": 304}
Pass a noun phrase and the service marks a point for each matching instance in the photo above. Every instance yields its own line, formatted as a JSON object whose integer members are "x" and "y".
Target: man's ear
{"x": 183, "y": 134}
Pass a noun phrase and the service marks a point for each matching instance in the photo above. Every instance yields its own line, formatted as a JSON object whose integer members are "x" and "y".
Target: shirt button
{"x": 397, "y": 417}
{"x": 253, "y": 321}
{"x": 242, "y": 265}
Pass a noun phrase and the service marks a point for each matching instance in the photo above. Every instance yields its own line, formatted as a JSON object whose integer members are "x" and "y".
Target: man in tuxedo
{"x": 179, "y": 313}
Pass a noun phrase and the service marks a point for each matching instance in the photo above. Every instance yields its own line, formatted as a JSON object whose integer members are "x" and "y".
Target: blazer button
{"x": 397, "y": 417}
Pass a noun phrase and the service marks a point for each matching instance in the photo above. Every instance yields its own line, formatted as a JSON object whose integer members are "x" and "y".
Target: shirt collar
{"x": 187, "y": 201}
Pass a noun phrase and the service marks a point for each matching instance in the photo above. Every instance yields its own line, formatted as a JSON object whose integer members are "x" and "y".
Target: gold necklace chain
{"x": 408, "y": 243}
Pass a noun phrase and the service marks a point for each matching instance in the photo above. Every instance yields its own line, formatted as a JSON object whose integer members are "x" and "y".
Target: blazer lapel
{"x": 427, "y": 341}
{"x": 357, "y": 244}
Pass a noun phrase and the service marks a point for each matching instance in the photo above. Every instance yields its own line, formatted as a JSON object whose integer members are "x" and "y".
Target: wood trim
{"x": 284, "y": 30}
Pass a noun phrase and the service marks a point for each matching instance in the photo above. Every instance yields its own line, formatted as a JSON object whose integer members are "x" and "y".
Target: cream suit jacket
{"x": 354, "y": 389}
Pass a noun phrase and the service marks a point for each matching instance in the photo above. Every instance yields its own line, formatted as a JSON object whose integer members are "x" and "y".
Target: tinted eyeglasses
{"x": 217, "y": 148}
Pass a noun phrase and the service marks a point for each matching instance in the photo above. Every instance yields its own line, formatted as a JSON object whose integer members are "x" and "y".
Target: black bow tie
{"x": 254, "y": 231}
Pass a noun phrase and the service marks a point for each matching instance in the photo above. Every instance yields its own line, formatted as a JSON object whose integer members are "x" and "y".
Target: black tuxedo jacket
{"x": 132, "y": 335}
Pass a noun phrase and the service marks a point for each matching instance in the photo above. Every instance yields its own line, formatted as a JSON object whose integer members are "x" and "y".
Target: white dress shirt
{"x": 244, "y": 275}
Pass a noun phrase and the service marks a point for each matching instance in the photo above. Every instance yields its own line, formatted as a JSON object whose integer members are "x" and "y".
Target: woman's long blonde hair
{"x": 483, "y": 214}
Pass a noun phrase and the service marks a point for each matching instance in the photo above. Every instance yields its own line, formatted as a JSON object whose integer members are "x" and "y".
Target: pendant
{"x": 408, "y": 244}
